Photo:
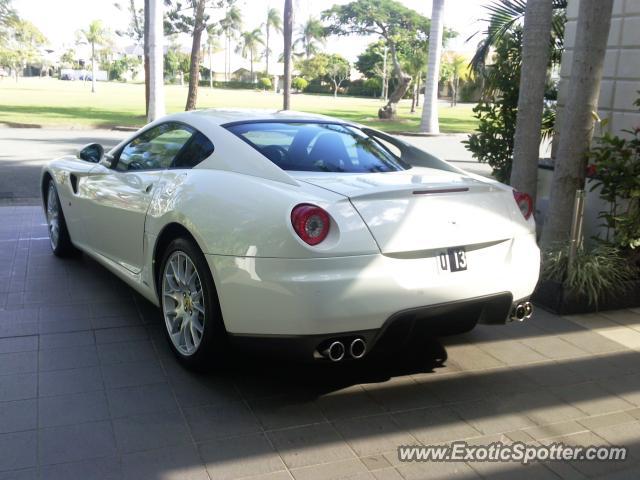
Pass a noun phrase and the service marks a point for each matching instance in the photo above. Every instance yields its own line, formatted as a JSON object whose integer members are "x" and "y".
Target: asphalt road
{"x": 24, "y": 150}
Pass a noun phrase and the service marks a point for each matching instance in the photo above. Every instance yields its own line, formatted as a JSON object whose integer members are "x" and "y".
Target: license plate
{"x": 454, "y": 259}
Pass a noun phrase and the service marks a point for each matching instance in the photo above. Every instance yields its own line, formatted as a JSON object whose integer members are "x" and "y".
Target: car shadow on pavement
{"x": 316, "y": 379}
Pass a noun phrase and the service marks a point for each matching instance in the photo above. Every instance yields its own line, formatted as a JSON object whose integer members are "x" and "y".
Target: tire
{"x": 56, "y": 224}
{"x": 190, "y": 307}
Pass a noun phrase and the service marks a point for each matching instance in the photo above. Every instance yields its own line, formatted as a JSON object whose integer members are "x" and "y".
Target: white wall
{"x": 621, "y": 80}
{"x": 618, "y": 92}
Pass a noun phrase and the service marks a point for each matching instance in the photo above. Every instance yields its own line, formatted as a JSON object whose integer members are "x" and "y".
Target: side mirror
{"x": 91, "y": 153}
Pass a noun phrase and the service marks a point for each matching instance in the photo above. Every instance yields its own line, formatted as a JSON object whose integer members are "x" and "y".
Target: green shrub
{"x": 265, "y": 83}
{"x": 493, "y": 141}
{"x": 299, "y": 84}
{"x": 616, "y": 171}
{"x": 600, "y": 273}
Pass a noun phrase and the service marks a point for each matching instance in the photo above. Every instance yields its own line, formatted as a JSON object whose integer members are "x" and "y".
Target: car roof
{"x": 221, "y": 116}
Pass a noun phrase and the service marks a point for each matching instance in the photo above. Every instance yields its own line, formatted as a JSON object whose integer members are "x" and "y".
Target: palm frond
{"x": 503, "y": 16}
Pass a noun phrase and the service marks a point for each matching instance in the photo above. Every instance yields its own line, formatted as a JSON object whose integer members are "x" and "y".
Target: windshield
{"x": 318, "y": 147}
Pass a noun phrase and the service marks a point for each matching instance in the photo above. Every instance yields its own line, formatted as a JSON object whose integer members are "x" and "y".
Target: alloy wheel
{"x": 183, "y": 303}
{"x": 53, "y": 216}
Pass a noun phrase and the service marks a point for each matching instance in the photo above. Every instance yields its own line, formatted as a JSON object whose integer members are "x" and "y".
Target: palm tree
{"x": 457, "y": 68}
{"x": 288, "y": 34}
{"x": 273, "y": 21}
{"x": 248, "y": 47}
{"x": 506, "y": 14}
{"x": 213, "y": 46}
{"x": 533, "y": 77}
{"x": 594, "y": 21}
{"x": 230, "y": 26}
{"x": 429, "y": 123}
{"x": 156, "y": 61}
{"x": 96, "y": 34}
{"x": 311, "y": 36}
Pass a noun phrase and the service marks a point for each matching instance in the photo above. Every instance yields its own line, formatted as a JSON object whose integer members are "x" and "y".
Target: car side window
{"x": 198, "y": 148}
{"x": 155, "y": 149}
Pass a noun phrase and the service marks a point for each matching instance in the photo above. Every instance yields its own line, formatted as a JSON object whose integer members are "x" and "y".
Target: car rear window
{"x": 318, "y": 147}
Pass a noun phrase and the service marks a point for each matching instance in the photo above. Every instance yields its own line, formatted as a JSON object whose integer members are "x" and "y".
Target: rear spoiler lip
{"x": 441, "y": 190}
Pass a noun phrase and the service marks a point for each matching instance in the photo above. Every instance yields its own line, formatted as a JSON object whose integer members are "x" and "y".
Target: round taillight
{"x": 311, "y": 223}
{"x": 525, "y": 203}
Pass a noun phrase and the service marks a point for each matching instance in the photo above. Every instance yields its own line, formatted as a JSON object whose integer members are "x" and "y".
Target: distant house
{"x": 241, "y": 69}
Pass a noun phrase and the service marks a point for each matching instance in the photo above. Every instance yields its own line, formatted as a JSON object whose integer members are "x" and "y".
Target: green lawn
{"x": 51, "y": 102}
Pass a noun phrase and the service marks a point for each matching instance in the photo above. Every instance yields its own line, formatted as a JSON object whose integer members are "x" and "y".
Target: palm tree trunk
{"x": 145, "y": 49}
{"x": 288, "y": 33}
{"x": 533, "y": 76}
{"x": 413, "y": 97}
{"x": 594, "y": 20}
{"x": 226, "y": 59}
{"x": 251, "y": 63}
{"x": 210, "y": 68}
{"x": 156, "y": 64}
{"x": 267, "y": 50}
{"x": 429, "y": 123}
{"x": 455, "y": 92}
{"x": 93, "y": 67}
{"x": 194, "y": 67}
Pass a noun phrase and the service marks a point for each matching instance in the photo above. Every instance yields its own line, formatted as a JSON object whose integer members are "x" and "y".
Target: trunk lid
{"x": 424, "y": 209}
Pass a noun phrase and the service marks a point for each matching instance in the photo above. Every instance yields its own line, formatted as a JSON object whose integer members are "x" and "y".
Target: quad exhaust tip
{"x": 337, "y": 350}
{"x": 522, "y": 311}
{"x": 358, "y": 348}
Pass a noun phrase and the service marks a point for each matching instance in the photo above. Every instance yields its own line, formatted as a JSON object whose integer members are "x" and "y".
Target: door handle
{"x": 148, "y": 188}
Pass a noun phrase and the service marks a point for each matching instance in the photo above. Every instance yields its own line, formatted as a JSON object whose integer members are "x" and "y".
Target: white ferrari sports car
{"x": 293, "y": 231}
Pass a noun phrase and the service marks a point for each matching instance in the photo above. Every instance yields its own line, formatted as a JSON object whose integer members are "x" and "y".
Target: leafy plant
{"x": 493, "y": 142}
{"x": 506, "y": 15}
{"x": 299, "y": 83}
{"x": 616, "y": 169}
{"x": 265, "y": 83}
{"x": 500, "y": 80}
{"x": 597, "y": 274}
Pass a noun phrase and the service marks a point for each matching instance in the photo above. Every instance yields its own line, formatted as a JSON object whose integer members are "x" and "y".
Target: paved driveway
{"x": 89, "y": 390}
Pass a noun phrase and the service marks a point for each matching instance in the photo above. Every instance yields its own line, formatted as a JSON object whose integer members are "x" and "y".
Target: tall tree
{"x": 455, "y": 67}
{"x": 388, "y": 19}
{"x": 535, "y": 57}
{"x": 156, "y": 63}
{"x": 145, "y": 49}
{"x": 429, "y": 122}
{"x": 199, "y": 24}
{"x": 192, "y": 18}
{"x": 338, "y": 70}
{"x": 311, "y": 35}
{"x": 137, "y": 30}
{"x": 288, "y": 34}
{"x": 274, "y": 21}
{"x": 21, "y": 44}
{"x": 7, "y": 16}
{"x": 577, "y": 117}
{"x": 213, "y": 46}
{"x": 95, "y": 35}
{"x": 507, "y": 15}
{"x": 248, "y": 47}
{"x": 414, "y": 62}
{"x": 230, "y": 25}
